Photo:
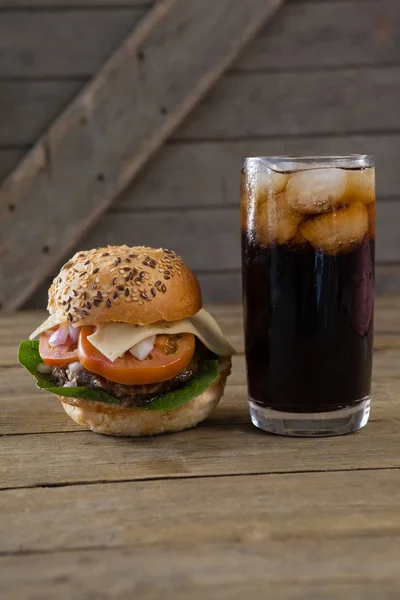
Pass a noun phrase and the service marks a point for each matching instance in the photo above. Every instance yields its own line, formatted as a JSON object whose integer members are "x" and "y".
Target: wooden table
{"x": 221, "y": 511}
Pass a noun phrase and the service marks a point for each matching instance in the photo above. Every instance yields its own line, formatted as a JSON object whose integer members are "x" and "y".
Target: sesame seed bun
{"x": 113, "y": 420}
{"x": 128, "y": 284}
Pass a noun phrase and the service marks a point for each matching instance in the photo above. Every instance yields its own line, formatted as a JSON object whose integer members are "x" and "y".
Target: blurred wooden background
{"x": 323, "y": 77}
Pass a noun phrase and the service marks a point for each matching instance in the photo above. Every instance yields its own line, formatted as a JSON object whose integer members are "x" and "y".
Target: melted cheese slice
{"x": 49, "y": 323}
{"x": 114, "y": 339}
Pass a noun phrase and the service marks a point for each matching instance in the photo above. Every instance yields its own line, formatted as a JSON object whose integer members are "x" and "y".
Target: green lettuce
{"x": 29, "y": 357}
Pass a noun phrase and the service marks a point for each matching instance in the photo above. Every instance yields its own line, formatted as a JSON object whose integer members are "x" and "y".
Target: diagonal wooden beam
{"x": 113, "y": 127}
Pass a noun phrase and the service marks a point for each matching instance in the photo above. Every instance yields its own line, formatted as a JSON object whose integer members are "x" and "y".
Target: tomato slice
{"x": 161, "y": 365}
{"x": 57, "y": 356}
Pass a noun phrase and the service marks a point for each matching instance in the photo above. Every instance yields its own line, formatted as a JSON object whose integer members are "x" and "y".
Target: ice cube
{"x": 316, "y": 191}
{"x": 337, "y": 231}
{"x": 275, "y": 223}
{"x": 361, "y": 186}
{"x": 270, "y": 182}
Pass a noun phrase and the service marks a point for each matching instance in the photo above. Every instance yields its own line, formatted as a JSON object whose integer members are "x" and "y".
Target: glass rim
{"x": 285, "y": 163}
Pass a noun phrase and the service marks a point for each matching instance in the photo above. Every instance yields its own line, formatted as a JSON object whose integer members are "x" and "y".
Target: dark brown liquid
{"x": 308, "y": 325}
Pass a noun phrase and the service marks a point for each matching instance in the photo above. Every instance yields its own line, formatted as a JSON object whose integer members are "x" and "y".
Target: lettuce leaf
{"x": 29, "y": 357}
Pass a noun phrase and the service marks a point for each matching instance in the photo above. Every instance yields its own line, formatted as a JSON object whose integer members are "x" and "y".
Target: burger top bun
{"x": 132, "y": 285}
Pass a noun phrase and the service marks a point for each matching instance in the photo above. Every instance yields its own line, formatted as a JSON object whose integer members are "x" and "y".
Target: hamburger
{"x": 128, "y": 348}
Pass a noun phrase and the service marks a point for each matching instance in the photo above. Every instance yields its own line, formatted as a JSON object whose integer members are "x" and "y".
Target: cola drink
{"x": 308, "y": 241}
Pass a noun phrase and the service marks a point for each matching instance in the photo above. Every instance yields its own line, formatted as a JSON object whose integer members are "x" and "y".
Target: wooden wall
{"x": 323, "y": 78}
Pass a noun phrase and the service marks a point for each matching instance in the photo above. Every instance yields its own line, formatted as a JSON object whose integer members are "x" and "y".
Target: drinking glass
{"x": 308, "y": 242}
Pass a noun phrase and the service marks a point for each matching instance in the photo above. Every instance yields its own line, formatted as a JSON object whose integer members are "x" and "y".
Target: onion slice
{"x": 59, "y": 337}
{"x": 143, "y": 348}
{"x": 73, "y": 333}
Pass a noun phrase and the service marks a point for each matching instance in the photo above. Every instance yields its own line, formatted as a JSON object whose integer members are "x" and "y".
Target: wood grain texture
{"x": 319, "y": 506}
{"x": 363, "y": 568}
{"x": 309, "y": 102}
{"x": 88, "y": 458}
{"x": 28, "y": 107}
{"x": 330, "y": 33}
{"x": 320, "y": 34}
{"x": 62, "y": 43}
{"x": 115, "y": 126}
{"x": 347, "y": 101}
{"x": 92, "y": 4}
{"x": 8, "y": 159}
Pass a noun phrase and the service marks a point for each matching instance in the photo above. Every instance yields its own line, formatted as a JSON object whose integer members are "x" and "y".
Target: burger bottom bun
{"x": 112, "y": 420}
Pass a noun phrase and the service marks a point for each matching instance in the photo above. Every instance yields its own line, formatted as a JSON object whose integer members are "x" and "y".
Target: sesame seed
{"x": 127, "y": 292}
{"x": 108, "y": 303}
{"x": 115, "y": 295}
{"x": 96, "y": 302}
{"x": 96, "y": 271}
{"x": 158, "y": 283}
{"x": 142, "y": 274}
{"x": 140, "y": 302}
{"x": 120, "y": 288}
{"x": 87, "y": 262}
{"x": 88, "y": 305}
{"x": 163, "y": 288}
{"x": 167, "y": 273}
{"x": 68, "y": 307}
{"x": 132, "y": 255}
{"x": 59, "y": 280}
{"x": 135, "y": 299}
{"x": 119, "y": 259}
{"x": 128, "y": 260}
{"x": 144, "y": 296}
{"x": 84, "y": 313}
{"x": 82, "y": 274}
{"x": 106, "y": 254}
{"x": 94, "y": 286}
{"x": 114, "y": 280}
{"x": 116, "y": 262}
{"x": 84, "y": 295}
{"x": 70, "y": 317}
{"x": 64, "y": 302}
{"x": 166, "y": 277}
{"x": 75, "y": 293}
{"x": 153, "y": 292}
{"x": 135, "y": 271}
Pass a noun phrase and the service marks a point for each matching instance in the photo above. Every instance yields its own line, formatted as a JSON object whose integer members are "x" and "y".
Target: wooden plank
{"x": 350, "y": 569}
{"x": 327, "y": 34}
{"x": 222, "y": 115}
{"x": 207, "y": 173}
{"x": 319, "y": 102}
{"x": 62, "y": 43}
{"x": 9, "y": 157}
{"x": 115, "y": 126}
{"x": 187, "y": 454}
{"x": 28, "y": 107}
{"x": 322, "y": 506}
{"x": 387, "y": 279}
{"x": 93, "y": 4}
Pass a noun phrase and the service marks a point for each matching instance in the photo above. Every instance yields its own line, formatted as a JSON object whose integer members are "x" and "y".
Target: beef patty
{"x": 130, "y": 395}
